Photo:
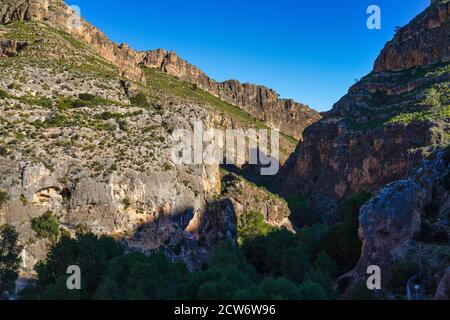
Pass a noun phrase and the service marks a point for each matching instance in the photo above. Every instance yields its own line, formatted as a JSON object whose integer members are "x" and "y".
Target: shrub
{"x": 3, "y": 197}
{"x": 45, "y": 102}
{"x": 46, "y": 226}
{"x": 433, "y": 99}
{"x": 301, "y": 213}
{"x": 139, "y": 100}
{"x": 13, "y": 86}
{"x": 3, "y": 151}
{"x": 126, "y": 203}
{"x": 79, "y": 103}
{"x": 123, "y": 125}
{"x": 341, "y": 242}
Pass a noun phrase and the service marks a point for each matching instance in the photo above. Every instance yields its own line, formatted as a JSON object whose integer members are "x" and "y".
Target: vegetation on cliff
{"x": 9, "y": 260}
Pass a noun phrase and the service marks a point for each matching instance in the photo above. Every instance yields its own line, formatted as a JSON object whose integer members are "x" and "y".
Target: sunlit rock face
{"x": 262, "y": 103}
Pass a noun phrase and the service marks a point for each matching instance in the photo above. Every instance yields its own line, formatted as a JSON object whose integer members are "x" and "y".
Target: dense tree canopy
{"x": 9, "y": 259}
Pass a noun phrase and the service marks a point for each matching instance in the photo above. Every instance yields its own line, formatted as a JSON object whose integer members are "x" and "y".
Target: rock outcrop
{"x": 380, "y": 130}
{"x": 408, "y": 220}
{"x": 411, "y": 46}
{"x": 264, "y": 104}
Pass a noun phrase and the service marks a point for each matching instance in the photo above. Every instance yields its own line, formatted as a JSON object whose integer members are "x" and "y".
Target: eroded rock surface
{"x": 264, "y": 104}
{"x": 409, "y": 220}
{"x": 422, "y": 42}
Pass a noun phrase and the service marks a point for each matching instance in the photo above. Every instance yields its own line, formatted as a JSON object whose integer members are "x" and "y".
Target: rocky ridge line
{"x": 263, "y": 103}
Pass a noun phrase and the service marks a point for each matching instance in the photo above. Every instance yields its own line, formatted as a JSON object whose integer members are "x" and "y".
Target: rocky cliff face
{"x": 57, "y": 13}
{"x": 408, "y": 221}
{"x": 264, "y": 104}
{"x": 381, "y": 129}
{"x": 75, "y": 143}
{"x": 9, "y": 48}
{"x": 411, "y": 46}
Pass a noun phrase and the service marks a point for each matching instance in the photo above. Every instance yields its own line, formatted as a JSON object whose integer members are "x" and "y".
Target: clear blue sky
{"x": 311, "y": 51}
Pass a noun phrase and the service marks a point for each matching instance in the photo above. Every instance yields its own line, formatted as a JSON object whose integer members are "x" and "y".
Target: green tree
{"x": 265, "y": 253}
{"x": 135, "y": 276}
{"x": 9, "y": 259}
{"x": 89, "y": 252}
{"x": 140, "y": 100}
{"x": 360, "y": 292}
{"x": 301, "y": 213}
{"x": 46, "y": 226}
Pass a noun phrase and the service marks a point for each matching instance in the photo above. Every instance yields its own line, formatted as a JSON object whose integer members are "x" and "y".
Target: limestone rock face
{"x": 337, "y": 162}
{"x": 10, "y": 48}
{"x": 376, "y": 133}
{"x": 13, "y": 10}
{"x": 422, "y": 42}
{"x": 57, "y": 13}
{"x": 390, "y": 220}
{"x": 408, "y": 219}
{"x": 262, "y": 103}
{"x": 247, "y": 197}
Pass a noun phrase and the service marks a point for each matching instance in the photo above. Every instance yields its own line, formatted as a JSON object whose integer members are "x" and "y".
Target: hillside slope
{"x": 386, "y": 123}
{"x": 86, "y": 141}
